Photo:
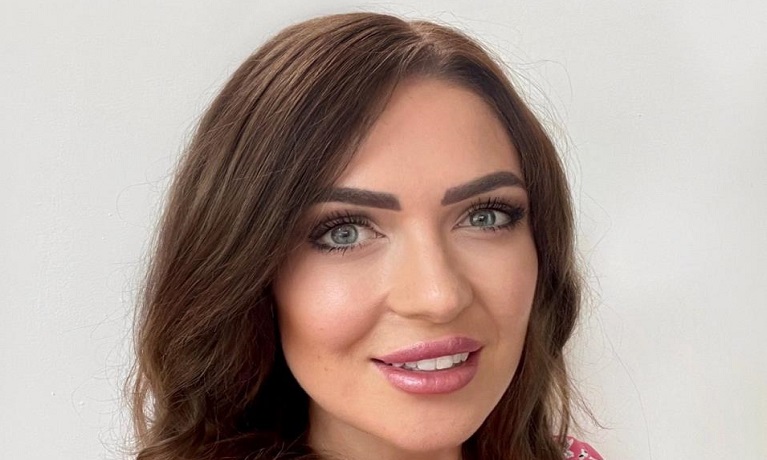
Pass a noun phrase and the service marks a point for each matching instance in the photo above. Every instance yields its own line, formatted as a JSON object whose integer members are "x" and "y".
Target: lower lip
{"x": 431, "y": 382}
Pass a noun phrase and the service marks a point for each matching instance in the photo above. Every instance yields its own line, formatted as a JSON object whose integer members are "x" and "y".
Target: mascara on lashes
{"x": 515, "y": 213}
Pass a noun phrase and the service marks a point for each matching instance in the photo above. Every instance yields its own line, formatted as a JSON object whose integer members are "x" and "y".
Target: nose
{"x": 426, "y": 281}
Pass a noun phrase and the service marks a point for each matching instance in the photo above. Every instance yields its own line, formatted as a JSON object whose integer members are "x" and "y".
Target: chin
{"x": 424, "y": 431}
{"x": 447, "y": 434}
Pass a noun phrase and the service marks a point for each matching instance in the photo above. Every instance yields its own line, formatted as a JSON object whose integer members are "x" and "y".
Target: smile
{"x": 436, "y": 364}
{"x": 437, "y": 367}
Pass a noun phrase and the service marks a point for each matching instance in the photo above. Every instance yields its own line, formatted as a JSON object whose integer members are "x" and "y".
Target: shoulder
{"x": 578, "y": 450}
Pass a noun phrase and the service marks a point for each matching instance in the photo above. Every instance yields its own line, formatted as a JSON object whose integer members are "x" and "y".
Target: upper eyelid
{"x": 489, "y": 202}
{"x": 499, "y": 194}
{"x": 479, "y": 199}
{"x": 335, "y": 218}
{"x": 344, "y": 216}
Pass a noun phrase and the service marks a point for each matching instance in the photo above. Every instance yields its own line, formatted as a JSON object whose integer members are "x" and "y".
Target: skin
{"x": 423, "y": 272}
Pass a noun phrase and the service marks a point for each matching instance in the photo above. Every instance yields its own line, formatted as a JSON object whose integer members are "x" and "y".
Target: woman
{"x": 367, "y": 253}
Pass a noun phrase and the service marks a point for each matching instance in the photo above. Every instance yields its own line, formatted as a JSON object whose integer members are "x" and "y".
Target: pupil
{"x": 344, "y": 234}
{"x": 483, "y": 219}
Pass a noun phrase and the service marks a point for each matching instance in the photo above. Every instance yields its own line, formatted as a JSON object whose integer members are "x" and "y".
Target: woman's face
{"x": 403, "y": 315}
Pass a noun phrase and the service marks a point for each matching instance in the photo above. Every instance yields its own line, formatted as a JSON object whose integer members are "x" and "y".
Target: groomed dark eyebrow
{"x": 481, "y": 185}
{"x": 453, "y": 195}
{"x": 364, "y": 198}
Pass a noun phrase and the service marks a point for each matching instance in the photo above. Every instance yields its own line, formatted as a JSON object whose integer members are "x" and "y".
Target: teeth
{"x": 443, "y": 362}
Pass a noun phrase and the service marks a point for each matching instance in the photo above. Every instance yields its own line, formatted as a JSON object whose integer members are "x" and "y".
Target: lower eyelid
{"x": 516, "y": 214}
{"x": 335, "y": 220}
{"x": 326, "y": 227}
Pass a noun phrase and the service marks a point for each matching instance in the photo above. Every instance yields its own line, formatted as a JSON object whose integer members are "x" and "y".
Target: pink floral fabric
{"x": 578, "y": 450}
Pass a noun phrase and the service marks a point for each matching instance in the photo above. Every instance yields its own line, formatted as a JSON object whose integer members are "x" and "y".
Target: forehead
{"x": 431, "y": 134}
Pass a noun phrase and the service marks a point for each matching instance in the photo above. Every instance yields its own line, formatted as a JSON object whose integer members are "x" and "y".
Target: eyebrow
{"x": 364, "y": 198}
{"x": 452, "y": 195}
{"x": 481, "y": 185}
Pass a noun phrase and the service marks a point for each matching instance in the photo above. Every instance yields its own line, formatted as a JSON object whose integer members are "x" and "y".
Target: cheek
{"x": 323, "y": 311}
{"x": 505, "y": 282}
{"x": 506, "y": 278}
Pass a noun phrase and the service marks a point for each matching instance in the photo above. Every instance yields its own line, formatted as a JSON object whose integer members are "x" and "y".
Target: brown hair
{"x": 210, "y": 380}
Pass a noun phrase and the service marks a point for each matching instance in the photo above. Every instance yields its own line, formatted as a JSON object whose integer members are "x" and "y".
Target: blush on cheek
{"x": 324, "y": 310}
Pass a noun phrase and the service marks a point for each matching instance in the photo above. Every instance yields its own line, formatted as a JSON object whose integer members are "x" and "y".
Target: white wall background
{"x": 661, "y": 106}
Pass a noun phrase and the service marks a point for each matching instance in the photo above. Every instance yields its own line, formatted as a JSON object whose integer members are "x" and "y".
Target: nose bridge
{"x": 426, "y": 281}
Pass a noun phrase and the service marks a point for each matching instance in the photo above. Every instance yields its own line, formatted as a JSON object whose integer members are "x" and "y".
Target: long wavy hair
{"x": 210, "y": 380}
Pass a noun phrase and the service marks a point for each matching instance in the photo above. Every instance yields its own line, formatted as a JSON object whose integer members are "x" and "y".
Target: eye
{"x": 488, "y": 218}
{"x": 342, "y": 232}
{"x": 493, "y": 214}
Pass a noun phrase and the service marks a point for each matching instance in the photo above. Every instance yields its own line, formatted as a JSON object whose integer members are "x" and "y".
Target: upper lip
{"x": 431, "y": 350}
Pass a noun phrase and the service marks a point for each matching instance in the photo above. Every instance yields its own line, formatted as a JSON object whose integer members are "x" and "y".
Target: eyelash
{"x": 332, "y": 221}
{"x": 515, "y": 213}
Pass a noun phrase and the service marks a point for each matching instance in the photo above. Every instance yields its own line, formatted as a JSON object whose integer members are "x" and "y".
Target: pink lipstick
{"x": 442, "y": 366}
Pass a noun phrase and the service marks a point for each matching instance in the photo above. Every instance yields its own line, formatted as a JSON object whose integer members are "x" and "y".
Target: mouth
{"x": 431, "y": 365}
{"x": 434, "y": 355}
{"x": 438, "y": 367}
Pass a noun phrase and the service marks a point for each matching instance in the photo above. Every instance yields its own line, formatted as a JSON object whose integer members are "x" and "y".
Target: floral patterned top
{"x": 578, "y": 450}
